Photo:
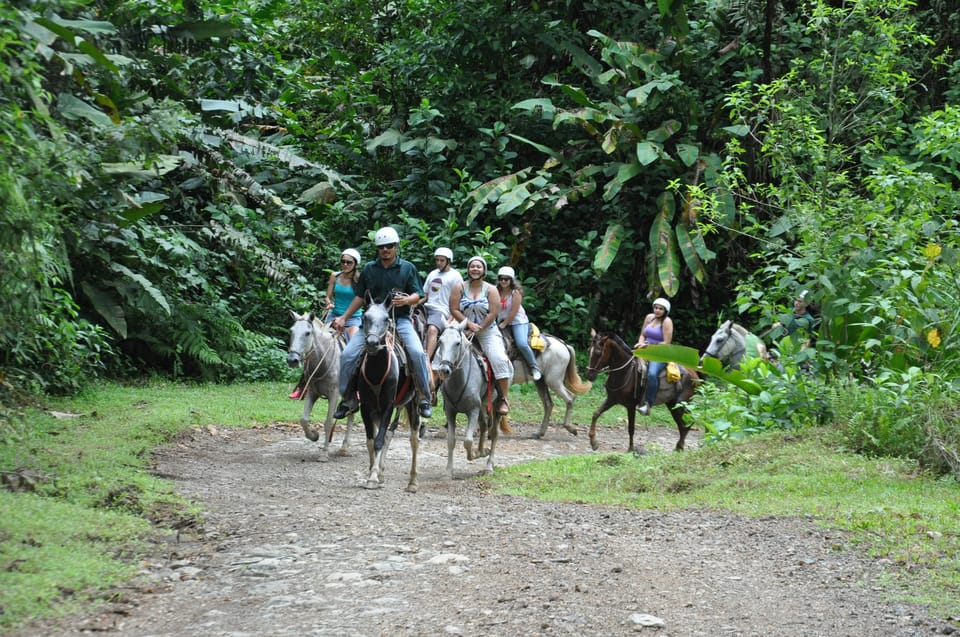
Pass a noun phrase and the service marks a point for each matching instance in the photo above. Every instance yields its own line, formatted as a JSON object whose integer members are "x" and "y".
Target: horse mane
{"x": 619, "y": 341}
{"x": 739, "y": 329}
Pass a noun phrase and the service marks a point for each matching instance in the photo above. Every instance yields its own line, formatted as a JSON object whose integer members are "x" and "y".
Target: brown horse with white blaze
{"x": 626, "y": 381}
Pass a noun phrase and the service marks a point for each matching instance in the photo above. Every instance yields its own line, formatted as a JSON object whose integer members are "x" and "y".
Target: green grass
{"x": 80, "y": 534}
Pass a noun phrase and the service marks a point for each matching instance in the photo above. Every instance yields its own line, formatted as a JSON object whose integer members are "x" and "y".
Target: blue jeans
{"x": 521, "y": 338}
{"x": 416, "y": 358}
{"x": 653, "y": 380}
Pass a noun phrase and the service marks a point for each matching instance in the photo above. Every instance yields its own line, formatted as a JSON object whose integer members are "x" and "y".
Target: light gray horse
{"x": 732, "y": 343}
{"x": 466, "y": 390}
{"x": 558, "y": 364}
{"x": 313, "y": 345}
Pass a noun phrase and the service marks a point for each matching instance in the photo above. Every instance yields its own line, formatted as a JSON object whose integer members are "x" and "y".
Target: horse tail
{"x": 505, "y": 425}
{"x": 571, "y": 378}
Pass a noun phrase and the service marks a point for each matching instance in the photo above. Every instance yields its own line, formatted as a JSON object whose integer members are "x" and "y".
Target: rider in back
{"x": 387, "y": 276}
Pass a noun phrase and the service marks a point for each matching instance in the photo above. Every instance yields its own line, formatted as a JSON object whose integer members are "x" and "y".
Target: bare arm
{"x": 455, "y": 295}
{"x": 667, "y": 331}
{"x": 330, "y": 287}
{"x": 493, "y": 297}
{"x": 642, "y": 340}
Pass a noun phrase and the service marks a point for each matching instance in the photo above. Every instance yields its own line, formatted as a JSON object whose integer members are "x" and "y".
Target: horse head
{"x": 452, "y": 346}
{"x": 597, "y": 355}
{"x": 376, "y": 324}
{"x": 301, "y": 338}
{"x": 722, "y": 344}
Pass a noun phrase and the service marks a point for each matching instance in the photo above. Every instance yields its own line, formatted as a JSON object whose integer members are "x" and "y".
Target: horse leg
{"x": 487, "y": 424}
{"x": 677, "y": 411}
{"x": 375, "y": 443}
{"x": 607, "y": 404}
{"x": 567, "y": 396}
{"x": 345, "y": 446}
{"x": 631, "y": 426}
{"x": 451, "y": 414}
{"x": 472, "y": 418}
{"x": 413, "y": 415}
{"x": 308, "y": 431}
{"x": 547, "y": 401}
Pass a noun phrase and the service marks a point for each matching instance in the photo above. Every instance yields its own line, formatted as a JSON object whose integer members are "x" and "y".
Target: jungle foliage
{"x": 175, "y": 176}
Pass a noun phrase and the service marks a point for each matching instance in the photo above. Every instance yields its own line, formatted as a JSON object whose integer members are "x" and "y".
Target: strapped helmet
{"x": 444, "y": 252}
{"x": 482, "y": 262}
{"x": 507, "y": 271}
{"x": 386, "y": 235}
{"x": 353, "y": 254}
{"x": 664, "y": 303}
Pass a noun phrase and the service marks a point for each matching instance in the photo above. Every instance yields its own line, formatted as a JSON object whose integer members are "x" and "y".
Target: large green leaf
{"x": 145, "y": 283}
{"x": 106, "y": 306}
{"x": 690, "y": 358}
{"x": 624, "y": 174}
{"x": 608, "y": 248}
{"x": 73, "y": 108}
{"x": 690, "y": 255}
{"x": 663, "y": 243}
{"x": 540, "y": 106}
{"x": 648, "y": 152}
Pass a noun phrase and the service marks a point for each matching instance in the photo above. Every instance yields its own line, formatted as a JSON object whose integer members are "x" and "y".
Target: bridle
{"x": 310, "y": 349}
{"x": 741, "y": 350}
{"x": 464, "y": 347}
{"x": 630, "y": 362}
{"x": 386, "y": 341}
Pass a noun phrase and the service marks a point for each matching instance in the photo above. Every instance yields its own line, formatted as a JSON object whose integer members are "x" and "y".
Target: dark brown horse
{"x": 626, "y": 381}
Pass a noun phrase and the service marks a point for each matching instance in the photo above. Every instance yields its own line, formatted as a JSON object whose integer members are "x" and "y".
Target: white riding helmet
{"x": 662, "y": 302}
{"x": 386, "y": 235}
{"x": 507, "y": 271}
{"x": 444, "y": 252}
{"x": 481, "y": 260}
{"x": 353, "y": 254}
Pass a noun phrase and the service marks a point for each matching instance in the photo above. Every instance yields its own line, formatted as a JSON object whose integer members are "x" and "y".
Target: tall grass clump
{"x": 910, "y": 414}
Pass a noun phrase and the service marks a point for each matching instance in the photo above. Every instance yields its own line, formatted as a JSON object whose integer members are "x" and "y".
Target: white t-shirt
{"x": 437, "y": 287}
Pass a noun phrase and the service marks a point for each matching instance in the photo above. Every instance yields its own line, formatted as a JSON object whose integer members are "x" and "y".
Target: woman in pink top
{"x": 657, "y": 328}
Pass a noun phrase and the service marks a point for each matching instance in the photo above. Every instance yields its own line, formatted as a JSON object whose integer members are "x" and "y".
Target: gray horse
{"x": 732, "y": 343}
{"x": 313, "y": 345}
{"x": 466, "y": 390}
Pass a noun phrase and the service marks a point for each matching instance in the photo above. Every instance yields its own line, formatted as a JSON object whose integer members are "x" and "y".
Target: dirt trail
{"x": 292, "y": 546}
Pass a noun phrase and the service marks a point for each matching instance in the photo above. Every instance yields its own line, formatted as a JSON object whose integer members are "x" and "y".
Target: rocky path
{"x": 292, "y": 546}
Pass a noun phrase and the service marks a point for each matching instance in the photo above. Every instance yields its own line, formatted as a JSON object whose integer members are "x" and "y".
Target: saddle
{"x": 511, "y": 346}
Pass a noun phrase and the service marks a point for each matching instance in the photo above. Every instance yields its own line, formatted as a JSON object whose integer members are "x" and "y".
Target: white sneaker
{"x": 644, "y": 409}
{"x": 536, "y": 374}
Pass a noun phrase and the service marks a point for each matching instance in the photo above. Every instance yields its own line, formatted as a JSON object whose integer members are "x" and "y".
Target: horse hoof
{"x": 412, "y": 488}
{"x": 572, "y": 430}
{"x": 487, "y": 471}
{"x": 344, "y": 453}
{"x": 371, "y": 485}
{"x": 594, "y": 444}
{"x": 312, "y": 434}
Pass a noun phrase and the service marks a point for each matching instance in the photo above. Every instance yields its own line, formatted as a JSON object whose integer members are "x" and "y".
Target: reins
{"x": 610, "y": 370}
{"x": 310, "y": 350}
{"x": 465, "y": 347}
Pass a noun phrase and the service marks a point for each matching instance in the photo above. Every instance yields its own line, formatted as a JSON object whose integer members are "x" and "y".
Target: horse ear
{"x": 311, "y": 317}
{"x": 462, "y": 325}
{"x": 296, "y": 317}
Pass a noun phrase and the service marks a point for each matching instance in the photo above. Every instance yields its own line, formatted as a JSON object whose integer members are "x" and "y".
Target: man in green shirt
{"x": 387, "y": 276}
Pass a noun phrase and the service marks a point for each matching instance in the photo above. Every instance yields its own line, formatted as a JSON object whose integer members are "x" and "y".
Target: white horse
{"x": 466, "y": 390}
{"x": 732, "y": 343}
{"x": 314, "y": 345}
{"x": 558, "y": 366}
